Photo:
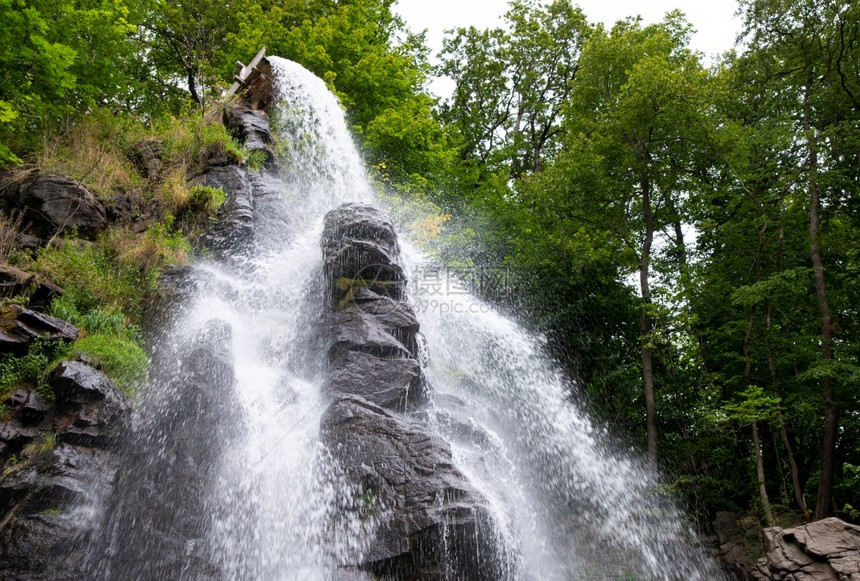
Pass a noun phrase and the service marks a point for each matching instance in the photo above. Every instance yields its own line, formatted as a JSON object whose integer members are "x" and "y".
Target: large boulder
{"x": 824, "y": 550}
{"x": 90, "y": 408}
{"x": 415, "y": 514}
{"x": 19, "y": 327}
{"x": 53, "y": 204}
{"x": 410, "y": 490}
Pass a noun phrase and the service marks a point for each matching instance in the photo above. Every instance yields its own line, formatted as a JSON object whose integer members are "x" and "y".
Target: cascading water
{"x": 227, "y": 477}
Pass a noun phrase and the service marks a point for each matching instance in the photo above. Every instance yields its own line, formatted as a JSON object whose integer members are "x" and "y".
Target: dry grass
{"x": 92, "y": 153}
{"x": 173, "y": 193}
{"x": 151, "y": 250}
{"x": 9, "y": 230}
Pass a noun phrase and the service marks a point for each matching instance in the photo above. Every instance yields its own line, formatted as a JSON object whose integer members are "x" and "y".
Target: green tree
{"x": 511, "y": 84}
{"x": 811, "y": 50}
{"x": 58, "y": 57}
{"x": 637, "y": 110}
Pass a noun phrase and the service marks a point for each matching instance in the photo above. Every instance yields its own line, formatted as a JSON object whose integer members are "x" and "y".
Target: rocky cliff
{"x": 425, "y": 521}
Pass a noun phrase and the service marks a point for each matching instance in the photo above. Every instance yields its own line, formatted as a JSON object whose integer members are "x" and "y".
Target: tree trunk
{"x": 824, "y": 499}
{"x": 795, "y": 474}
{"x": 647, "y": 369}
{"x": 759, "y": 470}
{"x": 757, "y": 452}
{"x": 771, "y": 366}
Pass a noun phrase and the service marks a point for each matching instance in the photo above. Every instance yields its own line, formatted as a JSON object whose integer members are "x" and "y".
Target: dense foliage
{"x": 687, "y": 238}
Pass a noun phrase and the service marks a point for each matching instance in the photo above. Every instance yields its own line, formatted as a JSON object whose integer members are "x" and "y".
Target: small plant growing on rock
{"x": 207, "y": 199}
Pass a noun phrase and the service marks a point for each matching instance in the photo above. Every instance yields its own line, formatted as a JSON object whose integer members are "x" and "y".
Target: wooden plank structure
{"x": 247, "y": 75}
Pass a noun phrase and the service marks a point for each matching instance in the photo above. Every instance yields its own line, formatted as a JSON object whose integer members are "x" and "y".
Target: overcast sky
{"x": 715, "y": 20}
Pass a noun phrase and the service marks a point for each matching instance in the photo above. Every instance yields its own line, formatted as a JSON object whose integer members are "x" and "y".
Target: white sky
{"x": 714, "y": 20}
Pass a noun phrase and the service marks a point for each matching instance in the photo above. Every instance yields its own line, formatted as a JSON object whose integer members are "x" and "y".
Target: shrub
{"x": 206, "y": 199}
{"x": 123, "y": 361}
{"x": 191, "y": 140}
{"x": 32, "y": 369}
{"x": 91, "y": 278}
{"x": 96, "y": 321}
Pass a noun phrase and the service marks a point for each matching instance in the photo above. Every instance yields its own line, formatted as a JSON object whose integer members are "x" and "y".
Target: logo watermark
{"x": 432, "y": 288}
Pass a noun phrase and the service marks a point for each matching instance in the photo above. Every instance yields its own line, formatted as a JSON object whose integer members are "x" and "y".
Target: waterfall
{"x": 227, "y": 476}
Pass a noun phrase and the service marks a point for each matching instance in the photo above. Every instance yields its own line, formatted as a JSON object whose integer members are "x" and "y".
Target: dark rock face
{"x": 18, "y": 283}
{"x": 235, "y": 228}
{"x": 19, "y": 327}
{"x": 251, "y": 127}
{"x": 90, "y": 408}
{"x": 427, "y": 522}
{"x": 160, "y": 505}
{"x": 60, "y": 467}
{"x": 52, "y": 204}
{"x": 50, "y": 507}
{"x": 360, "y": 252}
{"x": 738, "y": 540}
{"x": 253, "y": 213}
{"x": 825, "y": 550}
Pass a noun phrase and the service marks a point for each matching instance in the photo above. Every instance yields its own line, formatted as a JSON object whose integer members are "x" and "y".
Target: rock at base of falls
{"x": 824, "y": 550}
{"x": 60, "y": 466}
{"x": 419, "y": 516}
{"x": 428, "y": 521}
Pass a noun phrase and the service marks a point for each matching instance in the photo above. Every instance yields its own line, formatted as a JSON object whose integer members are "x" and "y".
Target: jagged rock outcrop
{"x": 52, "y": 204}
{"x": 60, "y": 465}
{"x": 19, "y": 327}
{"x": 251, "y": 127}
{"x": 159, "y": 507}
{"x": 824, "y": 550}
{"x": 147, "y": 155}
{"x": 423, "y": 519}
{"x": 255, "y": 205}
{"x": 15, "y": 282}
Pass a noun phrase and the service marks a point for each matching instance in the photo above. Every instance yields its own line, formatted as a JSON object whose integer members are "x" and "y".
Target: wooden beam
{"x": 246, "y": 74}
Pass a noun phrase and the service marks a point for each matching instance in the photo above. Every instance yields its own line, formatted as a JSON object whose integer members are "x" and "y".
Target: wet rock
{"x": 251, "y": 127}
{"x": 147, "y": 157}
{"x": 384, "y": 382}
{"x": 159, "y": 508}
{"x": 19, "y": 327}
{"x": 412, "y": 492}
{"x": 15, "y": 434}
{"x": 272, "y": 227}
{"x": 234, "y": 230}
{"x": 28, "y": 405}
{"x": 90, "y": 409}
{"x": 824, "y": 550}
{"x": 345, "y": 574}
{"x": 360, "y": 252}
{"x": 15, "y": 282}
{"x": 423, "y": 518}
{"x": 53, "y": 204}
{"x": 50, "y": 507}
